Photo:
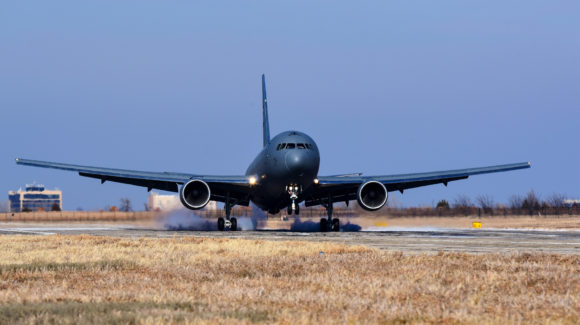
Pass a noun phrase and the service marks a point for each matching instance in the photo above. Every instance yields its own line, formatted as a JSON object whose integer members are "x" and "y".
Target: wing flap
{"x": 149, "y": 184}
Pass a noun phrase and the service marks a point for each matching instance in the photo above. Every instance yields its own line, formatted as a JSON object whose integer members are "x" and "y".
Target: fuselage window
{"x": 301, "y": 146}
{"x": 291, "y": 146}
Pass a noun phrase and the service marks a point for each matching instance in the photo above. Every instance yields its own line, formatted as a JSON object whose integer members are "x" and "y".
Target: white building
{"x": 158, "y": 202}
{"x": 572, "y": 202}
{"x": 35, "y": 198}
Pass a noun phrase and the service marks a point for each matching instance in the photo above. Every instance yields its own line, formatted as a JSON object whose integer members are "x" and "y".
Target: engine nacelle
{"x": 372, "y": 195}
{"x": 195, "y": 194}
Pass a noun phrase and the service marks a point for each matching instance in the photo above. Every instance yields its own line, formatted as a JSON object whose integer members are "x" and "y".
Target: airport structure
{"x": 158, "y": 202}
{"x": 35, "y": 198}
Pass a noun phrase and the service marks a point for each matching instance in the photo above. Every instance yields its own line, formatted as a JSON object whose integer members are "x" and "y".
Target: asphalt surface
{"x": 412, "y": 240}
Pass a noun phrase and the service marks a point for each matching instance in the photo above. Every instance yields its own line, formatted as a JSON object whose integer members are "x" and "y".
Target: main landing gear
{"x": 329, "y": 224}
{"x": 227, "y": 223}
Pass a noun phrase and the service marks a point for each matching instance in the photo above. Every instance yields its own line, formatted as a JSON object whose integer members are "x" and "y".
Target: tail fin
{"x": 266, "y": 123}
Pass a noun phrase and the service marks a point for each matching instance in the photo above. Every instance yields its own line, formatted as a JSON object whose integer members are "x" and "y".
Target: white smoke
{"x": 183, "y": 219}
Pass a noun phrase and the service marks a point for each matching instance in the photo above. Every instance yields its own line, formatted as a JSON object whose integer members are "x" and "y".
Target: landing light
{"x": 316, "y": 181}
{"x": 253, "y": 180}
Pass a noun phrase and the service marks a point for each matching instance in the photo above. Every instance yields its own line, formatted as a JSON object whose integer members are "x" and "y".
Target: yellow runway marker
{"x": 380, "y": 224}
{"x": 476, "y": 225}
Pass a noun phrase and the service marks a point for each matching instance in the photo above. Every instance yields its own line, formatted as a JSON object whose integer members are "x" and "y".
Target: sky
{"x": 384, "y": 87}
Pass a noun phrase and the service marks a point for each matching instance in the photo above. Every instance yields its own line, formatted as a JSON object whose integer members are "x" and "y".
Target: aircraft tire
{"x": 335, "y": 224}
{"x": 221, "y": 224}
{"x": 234, "y": 222}
{"x": 297, "y": 211}
{"x": 323, "y": 225}
{"x": 289, "y": 210}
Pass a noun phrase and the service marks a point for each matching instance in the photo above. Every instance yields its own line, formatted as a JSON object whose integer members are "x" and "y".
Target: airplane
{"x": 282, "y": 176}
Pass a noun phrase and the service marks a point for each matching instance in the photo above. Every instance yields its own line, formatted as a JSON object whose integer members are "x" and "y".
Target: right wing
{"x": 238, "y": 187}
{"x": 344, "y": 187}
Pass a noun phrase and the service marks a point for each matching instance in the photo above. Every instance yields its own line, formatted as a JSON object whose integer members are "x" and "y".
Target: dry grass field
{"x": 87, "y": 279}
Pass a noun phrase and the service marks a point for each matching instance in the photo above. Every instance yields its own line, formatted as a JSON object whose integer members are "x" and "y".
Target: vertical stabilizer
{"x": 265, "y": 121}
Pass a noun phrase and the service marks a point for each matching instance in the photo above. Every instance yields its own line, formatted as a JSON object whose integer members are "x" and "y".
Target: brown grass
{"x": 87, "y": 279}
{"x": 519, "y": 222}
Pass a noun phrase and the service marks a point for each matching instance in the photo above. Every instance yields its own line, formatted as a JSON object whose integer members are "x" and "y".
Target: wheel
{"x": 221, "y": 224}
{"x": 234, "y": 222}
{"x": 297, "y": 210}
{"x": 289, "y": 210}
{"x": 323, "y": 225}
{"x": 335, "y": 225}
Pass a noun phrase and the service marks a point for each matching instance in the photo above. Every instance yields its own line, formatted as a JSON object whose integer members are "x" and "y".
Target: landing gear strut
{"x": 329, "y": 224}
{"x": 228, "y": 223}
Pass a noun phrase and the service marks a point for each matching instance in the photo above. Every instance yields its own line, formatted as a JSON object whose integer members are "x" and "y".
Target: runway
{"x": 406, "y": 239}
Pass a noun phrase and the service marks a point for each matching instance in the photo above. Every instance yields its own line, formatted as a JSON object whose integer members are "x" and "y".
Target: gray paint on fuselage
{"x": 275, "y": 169}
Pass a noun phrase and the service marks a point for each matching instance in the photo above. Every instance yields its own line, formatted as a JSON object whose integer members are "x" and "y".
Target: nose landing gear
{"x": 293, "y": 190}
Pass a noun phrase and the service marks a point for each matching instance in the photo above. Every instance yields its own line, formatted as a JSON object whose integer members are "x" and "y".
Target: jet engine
{"x": 372, "y": 195}
{"x": 195, "y": 194}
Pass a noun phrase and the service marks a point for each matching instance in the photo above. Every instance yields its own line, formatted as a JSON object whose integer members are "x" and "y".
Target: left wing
{"x": 237, "y": 186}
{"x": 344, "y": 188}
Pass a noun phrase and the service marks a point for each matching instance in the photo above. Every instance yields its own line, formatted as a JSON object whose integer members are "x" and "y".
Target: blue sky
{"x": 384, "y": 87}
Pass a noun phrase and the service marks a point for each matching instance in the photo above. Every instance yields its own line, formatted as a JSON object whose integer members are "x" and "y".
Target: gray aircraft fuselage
{"x": 276, "y": 168}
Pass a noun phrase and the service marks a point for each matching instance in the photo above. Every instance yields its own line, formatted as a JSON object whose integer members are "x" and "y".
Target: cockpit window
{"x": 282, "y": 146}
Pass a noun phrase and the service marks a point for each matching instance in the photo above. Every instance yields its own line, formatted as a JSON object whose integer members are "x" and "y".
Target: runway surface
{"x": 411, "y": 239}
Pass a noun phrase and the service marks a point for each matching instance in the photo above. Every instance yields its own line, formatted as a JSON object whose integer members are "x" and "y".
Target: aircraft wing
{"x": 237, "y": 186}
{"x": 344, "y": 187}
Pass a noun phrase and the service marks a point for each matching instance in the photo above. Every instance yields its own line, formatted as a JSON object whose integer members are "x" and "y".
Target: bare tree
{"x": 556, "y": 200}
{"x": 485, "y": 202}
{"x": 125, "y": 205}
{"x": 556, "y": 203}
{"x": 515, "y": 202}
{"x": 462, "y": 203}
{"x": 531, "y": 202}
{"x": 55, "y": 207}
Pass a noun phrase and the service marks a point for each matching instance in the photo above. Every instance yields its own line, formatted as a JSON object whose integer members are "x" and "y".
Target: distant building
{"x": 158, "y": 202}
{"x": 34, "y": 198}
{"x": 572, "y": 202}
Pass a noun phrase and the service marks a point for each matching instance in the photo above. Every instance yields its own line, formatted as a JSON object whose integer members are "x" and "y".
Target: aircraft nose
{"x": 297, "y": 161}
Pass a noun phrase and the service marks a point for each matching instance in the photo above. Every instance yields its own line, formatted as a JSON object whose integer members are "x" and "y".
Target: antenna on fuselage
{"x": 265, "y": 122}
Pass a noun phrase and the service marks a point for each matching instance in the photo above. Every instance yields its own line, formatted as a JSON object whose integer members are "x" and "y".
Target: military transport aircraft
{"x": 283, "y": 175}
